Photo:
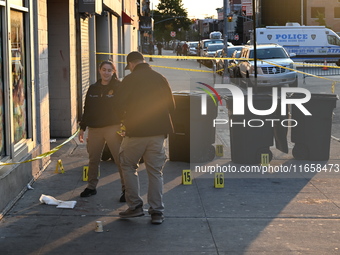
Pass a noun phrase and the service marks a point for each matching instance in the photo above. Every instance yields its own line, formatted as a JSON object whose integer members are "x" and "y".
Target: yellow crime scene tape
{"x": 184, "y": 69}
{"x": 46, "y": 154}
{"x": 167, "y": 57}
{"x": 162, "y": 56}
{"x": 334, "y": 82}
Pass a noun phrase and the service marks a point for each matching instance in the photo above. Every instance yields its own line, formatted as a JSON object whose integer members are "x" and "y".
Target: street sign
{"x": 244, "y": 9}
{"x": 173, "y": 33}
{"x": 247, "y": 7}
{"x": 249, "y": 10}
{"x": 236, "y": 37}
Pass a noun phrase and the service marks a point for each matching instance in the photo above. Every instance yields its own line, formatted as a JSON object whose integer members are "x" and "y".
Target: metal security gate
{"x": 85, "y": 58}
{"x": 320, "y": 68}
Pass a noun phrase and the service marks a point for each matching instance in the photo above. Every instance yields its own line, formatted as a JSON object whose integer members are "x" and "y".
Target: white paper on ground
{"x": 67, "y": 204}
{"x": 49, "y": 200}
{"x": 45, "y": 199}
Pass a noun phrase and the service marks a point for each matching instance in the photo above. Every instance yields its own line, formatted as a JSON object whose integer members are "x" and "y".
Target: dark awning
{"x": 127, "y": 20}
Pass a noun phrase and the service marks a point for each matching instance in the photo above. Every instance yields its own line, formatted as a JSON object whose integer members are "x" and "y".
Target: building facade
{"x": 305, "y": 12}
{"x": 329, "y": 11}
{"x": 24, "y": 101}
{"x": 274, "y": 13}
{"x": 49, "y": 54}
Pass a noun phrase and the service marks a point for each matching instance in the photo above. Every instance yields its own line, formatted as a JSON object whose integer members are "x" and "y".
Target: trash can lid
{"x": 181, "y": 92}
{"x": 187, "y": 93}
{"x": 321, "y": 96}
{"x": 255, "y": 97}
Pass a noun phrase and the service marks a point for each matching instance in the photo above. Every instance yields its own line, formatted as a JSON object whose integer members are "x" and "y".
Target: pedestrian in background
{"x": 151, "y": 50}
{"x": 159, "y": 47}
{"x": 146, "y": 102}
{"x": 179, "y": 50}
{"x": 101, "y": 119}
{"x": 185, "y": 49}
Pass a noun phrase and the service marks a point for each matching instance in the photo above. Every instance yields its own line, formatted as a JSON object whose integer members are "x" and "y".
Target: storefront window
{"x": 2, "y": 122}
{"x": 18, "y": 76}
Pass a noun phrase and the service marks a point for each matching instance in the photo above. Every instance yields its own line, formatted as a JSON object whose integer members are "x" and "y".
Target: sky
{"x": 198, "y": 8}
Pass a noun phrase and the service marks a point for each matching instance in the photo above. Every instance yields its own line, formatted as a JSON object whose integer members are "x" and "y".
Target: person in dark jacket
{"x": 179, "y": 50}
{"x": 185, "y": 49}
{"x": 145, "y": 102}
{"x": 101, "y": 119}
{"x": 159, "y": 47}
{"x": 151, "y": 50}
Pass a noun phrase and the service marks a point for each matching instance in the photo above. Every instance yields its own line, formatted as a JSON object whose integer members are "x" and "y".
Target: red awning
{"x": 127, "y": 20}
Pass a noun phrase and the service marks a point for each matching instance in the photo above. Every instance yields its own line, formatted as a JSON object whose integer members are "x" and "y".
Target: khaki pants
{"x": 153, "y": 153}
{"x": 95, "y": 144}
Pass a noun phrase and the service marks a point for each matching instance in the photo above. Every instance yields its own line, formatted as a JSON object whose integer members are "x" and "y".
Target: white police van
{"x": 307, "y": 42}
{"x": 215, "y": 35}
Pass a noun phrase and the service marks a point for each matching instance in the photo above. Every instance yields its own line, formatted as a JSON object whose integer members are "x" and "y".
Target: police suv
{"x": 274, "y": 67}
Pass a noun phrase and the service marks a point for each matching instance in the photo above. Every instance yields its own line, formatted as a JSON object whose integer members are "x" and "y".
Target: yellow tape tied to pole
{"x": 46, "y": 154}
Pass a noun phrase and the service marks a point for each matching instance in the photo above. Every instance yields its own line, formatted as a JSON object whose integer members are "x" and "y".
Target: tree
{"x": 239, "y": 29}
{"x": 170, "y": 16}
{"x": 321, "y": 19}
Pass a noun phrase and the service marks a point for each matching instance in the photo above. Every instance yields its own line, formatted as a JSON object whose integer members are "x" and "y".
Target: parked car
{"x": 204, "y": 44}
{"x": 233, "y": 67}
{"x": 232, "y": 53}
{"x": 212, "y": 48}
{"x": 210, "y": 52}
{"x": 192, "y": 48}
{"x": 272, "y": 63}
{"x": 219, "y": 62}
{"x": 232, "y": 49}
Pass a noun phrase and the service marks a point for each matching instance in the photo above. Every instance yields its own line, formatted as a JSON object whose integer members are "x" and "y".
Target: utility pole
{"x": 152, "y": 28}
{"x": 301, "y": 12}
{"x": 254, "y": 41}
{"x": 226, "y": 78}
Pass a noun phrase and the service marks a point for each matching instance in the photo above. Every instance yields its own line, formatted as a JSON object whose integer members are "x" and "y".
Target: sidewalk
{"x": 258, "y": 214}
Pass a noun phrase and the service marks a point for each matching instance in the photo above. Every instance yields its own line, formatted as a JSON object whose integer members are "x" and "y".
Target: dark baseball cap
{"x": 134, "y": 55}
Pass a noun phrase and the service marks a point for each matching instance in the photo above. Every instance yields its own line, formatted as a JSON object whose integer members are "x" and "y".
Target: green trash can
{"x": 194, "y": 134}
{"x": 248, "y": 143}
{"x": 312, "y": 134}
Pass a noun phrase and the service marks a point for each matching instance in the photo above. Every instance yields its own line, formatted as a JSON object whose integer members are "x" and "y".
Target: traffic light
{"x": 230, "y": 18}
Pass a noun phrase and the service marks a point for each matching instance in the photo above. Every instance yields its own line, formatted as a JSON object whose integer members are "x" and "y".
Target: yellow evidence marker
{"x": 186, "y": 177}
{"x": 265, "y": 159}
{"x": 60, "y": 167}
{"x": 86, "y": 173}
{"x": 219, "y": 150}
{"x": 219, "y": 180}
